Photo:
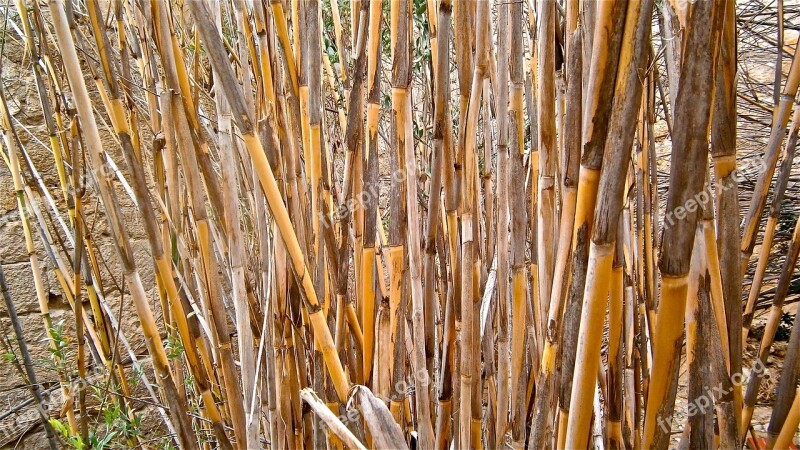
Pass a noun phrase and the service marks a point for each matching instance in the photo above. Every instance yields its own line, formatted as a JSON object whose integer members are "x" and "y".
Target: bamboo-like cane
{"x": 155, "y": 345}
{"x": 371, "y": 186}
{"x": 452, "y": 196}
{"x": 516, "y": 192}
{"x": 627, "y": 101}
{"x": 713, "y": 267}
{"x": 629, "y": 306}
{"x": 770, "y": 227}
{"x": 504, "y": 370}
{"x": 615, "y": 355}
{"x": 401, "y": 110}
{"x": 313, "y": 152}
{"x": 468, "y": 369}
{"x": 602, "y": 76}
{"x": 690, "y": 152}
{"x": 256, "y": 152}
{"x": 77, "y": 260}
{"x": 789, "y": 429}
{"x": 780, "y": 119}
{"x": 700, "y": 424}
{"x": 547, "y": 226}
{"x": 441, "y": 43}
{"x": 723, "y": 153}
{"x": 771, "y": 327}
{"x": 715, "y": 332}
{"x": 398, "y": 225}
{"x": 27, "y": 362}
{"x": 786, "y": 395}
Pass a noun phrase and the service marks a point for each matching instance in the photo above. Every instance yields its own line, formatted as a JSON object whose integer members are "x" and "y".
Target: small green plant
{"x": 166, "y": 444}
{"x": 60, "y": 342}
{"x": 136, "y": 375}
{"x": 173, "y": 346}
{"x": 58, "y": 349}
{"x": 72, "y": 440}
{"x": 188, "y": 381}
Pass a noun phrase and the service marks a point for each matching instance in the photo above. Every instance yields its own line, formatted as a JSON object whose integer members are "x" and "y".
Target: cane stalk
{"x": 771, "y": 327}
{"x": 784, "y": 439}
{"x": 503, "y": 310}
{"x": 700, "y": 424}
{"x": 690, "y": 153}
{"x": 783, "y": 416}
{"x": 723, "y": 154}
{"x": 770, "y": 227}
{"x": 616, "y": 160}
{"x": 518, "y": 214}
{"x": 149, "y": 327}
{"x": 615, "y": 397}
{"x": 599, "y": 91}
{"x": 780, "y": 119}
{"x": 256, "y": 151}
{"x": 547, "y": 228}
{"x": 469, "y": 119}
{"x": 401, "y": 112}
{"x": 368, "y": 262}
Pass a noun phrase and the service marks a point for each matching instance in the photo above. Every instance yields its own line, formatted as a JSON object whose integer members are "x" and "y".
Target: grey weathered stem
{"x": 119, "y": 231}
{"x": 27, "y": 362}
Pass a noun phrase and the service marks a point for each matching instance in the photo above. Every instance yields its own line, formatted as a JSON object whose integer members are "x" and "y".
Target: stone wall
{"x": 19, "y": 425}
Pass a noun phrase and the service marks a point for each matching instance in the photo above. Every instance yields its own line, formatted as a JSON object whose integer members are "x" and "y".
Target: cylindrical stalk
{"x": 690, "y": 154}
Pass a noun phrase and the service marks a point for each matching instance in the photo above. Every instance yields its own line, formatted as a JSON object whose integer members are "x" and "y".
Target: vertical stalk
{"x": 602, "y": 74}
{"x": 504, "y": 369}
{"x": 402, "y": 119}
{"x": 723, "y": 153}
{"x": 516, "y": 192}
{"x": 621, "y": 129}
{"x": 547, "y": 229}
{"x": 149, "y": 328}
{"x": 371, "y": 187}
{"x": 614, "y": 402}
{"x": 242, "y": 118}
{"x": 469, "y": 249}
{"x": 690, "y": 154}
{"x": 701, "y": 433}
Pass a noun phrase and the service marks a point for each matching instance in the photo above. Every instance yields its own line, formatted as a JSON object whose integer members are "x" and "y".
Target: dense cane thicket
{"x": 405, "y": 223}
